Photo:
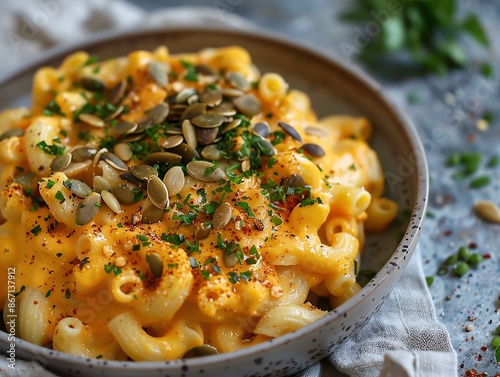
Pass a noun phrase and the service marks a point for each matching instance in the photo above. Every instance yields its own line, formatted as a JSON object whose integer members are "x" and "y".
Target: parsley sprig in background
{"x": 428, "y": 31}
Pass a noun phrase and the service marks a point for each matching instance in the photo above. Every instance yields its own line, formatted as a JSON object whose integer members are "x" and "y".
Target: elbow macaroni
{"x": 229, "y": 262}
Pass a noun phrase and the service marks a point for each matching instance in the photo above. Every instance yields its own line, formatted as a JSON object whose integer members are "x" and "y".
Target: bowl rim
{"x": 403, "y": 250}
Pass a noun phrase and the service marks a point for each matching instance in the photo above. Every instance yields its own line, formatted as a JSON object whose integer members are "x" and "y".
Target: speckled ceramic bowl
{"x": 333, "y": 88}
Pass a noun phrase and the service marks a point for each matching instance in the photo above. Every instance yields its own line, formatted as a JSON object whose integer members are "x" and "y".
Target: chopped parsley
{"x": 55, "y": 150}
{"x": 60, "y": 196}
{"x": 48, "y": 293}
{"x": 37, "y": 229}
{"x": 246, "y": 207}
{"x": 53, "y": 108}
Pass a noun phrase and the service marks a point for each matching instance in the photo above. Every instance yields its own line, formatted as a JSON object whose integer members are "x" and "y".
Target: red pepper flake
{"x": 473, "y": 245}
{"x": 484, "y": 349}
{"x": 448, "y": 232}
{"x": 471, "y": 138}
{"x": 486, "y": 256}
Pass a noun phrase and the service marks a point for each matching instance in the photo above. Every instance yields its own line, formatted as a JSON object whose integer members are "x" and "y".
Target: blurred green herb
{"x": 428, "y": 31}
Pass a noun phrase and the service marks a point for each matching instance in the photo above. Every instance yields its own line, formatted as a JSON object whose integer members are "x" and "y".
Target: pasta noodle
{"x": 156, "y": 204}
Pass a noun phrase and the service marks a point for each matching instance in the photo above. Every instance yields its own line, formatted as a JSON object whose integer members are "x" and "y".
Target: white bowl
{"x": 334, "y": 88}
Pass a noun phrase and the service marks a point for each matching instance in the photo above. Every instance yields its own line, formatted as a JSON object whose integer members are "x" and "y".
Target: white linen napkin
{"x": 404, "y": 339}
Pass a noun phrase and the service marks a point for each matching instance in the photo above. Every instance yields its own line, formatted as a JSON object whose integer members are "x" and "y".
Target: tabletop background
{"x": 446, "y": 116}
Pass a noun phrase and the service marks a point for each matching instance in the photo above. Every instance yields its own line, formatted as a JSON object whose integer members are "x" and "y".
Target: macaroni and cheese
{"x": 159, "y": 206}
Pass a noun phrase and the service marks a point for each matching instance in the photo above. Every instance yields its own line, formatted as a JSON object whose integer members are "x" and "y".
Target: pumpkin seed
{"x": 290, "y": 131}
{"x": 123, "y": 151}
{"x": 130, "y": 178}
{"x": 124, "y": 128}
{"x": 248, "y": 104}
{"x": 189, "y": 133}
{"x": 92, "y": 120}
{"x": 79, "y": 188}
{"x": 82, "y": 153}
{"x": 125, "y": 193}
{"x": 174, "y": 180}
{"x": 192, "y": 100}
{"x": 117, "y": 112}
{"x": 157, "y": 192}
{"x": 211, "y": 97}
{"x": 141, "y": 126}
{"x": 230, "y": 256}
{"x": 184, "y": 94}
{"x": 174, "y": 131}
{"x": 158, "y": 113}
{"x": 114, "y": 161}
{"x": 61, "y": 162}
{"x": 202, "y": 170}
{"x": 208, "y": 120}
{"x": 155, "y": 265}
{"x": 206, "y": 136}
{"x": 211, "y": 152}
{"x": 187, "y": 152}
{"x": 143, "y": 172}
{"x": 99, "y": 184}
{"x": 193, "y": 111}
{"x": 315, "y": 131}
{"x": 92, "y": 84}
{"x": 294, "y": 181}
{"x": 163, "y": 158}
{"x": 313, "y": 149}
{"x": 24, "y": 179}
{"x": 262, "y": 129}
{"x": 224, "y": 109}
{"x": 159, "y": 72}
{"x": 88, "y": 209}
{"x": 152, "y": 214}
{"x": 202, "y": 233}
{"x": 172, "y": 141}
{"x": 115, "y": 94}
{"x": 203, "y": 350}
{"x": 111, "y": 201}
{"x": 205, "y": 70}
{"x": 12, "y": 132}
{"x": 264, "y": 146}
{"x": 230, "y": 92}
{"x": 98, "y": 155}
{"x": 231, "y": 126}
{"x": 238, "y": 81}
{"x": 222, "y": 215}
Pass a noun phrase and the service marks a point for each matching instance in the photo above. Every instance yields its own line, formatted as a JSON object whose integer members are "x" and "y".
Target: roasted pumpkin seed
{"x": 123, "y": 151}
{"x": 184, "y": 94}
{"x": 111, "y": 201}
{"x": 290, "y": 131}
{"x": 313, "y": 149}
{"x": 262, "y": 129}
{"x": 231, "y": 256}
{"x": 206, "y": 136}
{"x": 231, "y": 126}
{"x": 222, "y": 215}
{"x": 172, "y": 141}
{"x": 114, "y": 161}
{"x": 224, "y": 109}
{"x": 203, "y": 350}
{"x": 125, "y": 193}
{"x": 99, "y": 184}
{"x": 143, "y": 172}
{"x": 61, "y": 162}
{"x": 157, "y": 192}
{"x": 88, "y": 209}
{"x": 92, "y": 84}
{"x": 24, "y": 179}
{"x": 211, "y": 97}
{"x": 238, "y": 81}
{"x": 115, "y": 94}
{"x": 79, "y": 188}
{"x": 315, "y": 131}
{"x": 248, "y": 104}
{"x": 193, "y": 111}
{"x": 159, "y": 72}
{"x": 187, "y": 152}
{"x": 174, "y": 180}
{"x": 82, "y": 153}
{"x": 92, "y": 120}
{"x": 152, "y": 214}
{"x": 208, "y": 120}
{"x": 205, "y": 171}
{"x": 155, "y": 265}
{"x": 189, "y": 133}
{"x": 211, "y": 153}
{"x": 124, "y": 128}
{"x": 158, "y": 113}
{"x": 163, "y": 158}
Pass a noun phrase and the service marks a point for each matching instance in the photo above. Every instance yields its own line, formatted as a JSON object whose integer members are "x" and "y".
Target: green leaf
{"x": 475, "y": 29}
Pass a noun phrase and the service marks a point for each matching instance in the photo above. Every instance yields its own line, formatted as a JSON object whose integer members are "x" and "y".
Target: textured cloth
{"x": 403, "y": 339}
